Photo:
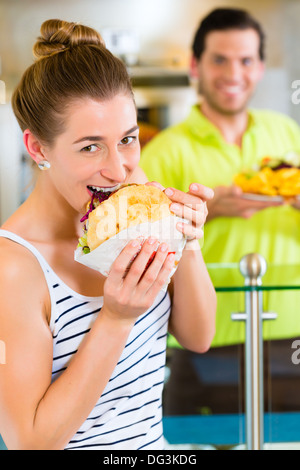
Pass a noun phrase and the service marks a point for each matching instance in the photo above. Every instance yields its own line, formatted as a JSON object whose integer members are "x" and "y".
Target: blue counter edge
{"x": 225, "y": 430}
{"x": 229, "y": 429}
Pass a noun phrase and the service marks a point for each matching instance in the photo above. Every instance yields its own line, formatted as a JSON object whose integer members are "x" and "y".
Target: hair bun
{"x": 58, "y": 35}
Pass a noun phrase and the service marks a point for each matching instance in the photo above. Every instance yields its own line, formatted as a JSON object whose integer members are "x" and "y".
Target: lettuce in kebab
{"x": 109, "y": 213}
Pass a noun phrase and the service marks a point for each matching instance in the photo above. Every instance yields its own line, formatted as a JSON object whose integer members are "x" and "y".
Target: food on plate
{"x": 108, "y": 213}
{"x": 274, "y": 177}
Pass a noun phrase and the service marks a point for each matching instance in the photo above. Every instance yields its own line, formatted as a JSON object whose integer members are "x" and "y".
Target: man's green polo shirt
{"x": 195, "y": 151}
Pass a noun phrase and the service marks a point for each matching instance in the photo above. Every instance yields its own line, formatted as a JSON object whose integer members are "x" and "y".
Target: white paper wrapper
{"x": 102, "y": 258}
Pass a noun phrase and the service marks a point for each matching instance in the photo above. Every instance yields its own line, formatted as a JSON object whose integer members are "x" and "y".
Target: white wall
{"x": 165, "y": 27}
{"x": 10, "y": 168}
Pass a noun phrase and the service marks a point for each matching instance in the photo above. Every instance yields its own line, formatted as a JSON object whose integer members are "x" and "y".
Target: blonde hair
{"x": 71, "y": 62}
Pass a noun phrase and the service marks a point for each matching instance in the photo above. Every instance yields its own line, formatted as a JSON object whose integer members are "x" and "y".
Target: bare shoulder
{"x": 22, "y": 283}
{"x": 15, "y": 259}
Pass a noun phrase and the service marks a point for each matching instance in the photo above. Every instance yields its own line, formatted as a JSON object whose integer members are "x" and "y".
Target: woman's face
{"x": 99, "y": 148}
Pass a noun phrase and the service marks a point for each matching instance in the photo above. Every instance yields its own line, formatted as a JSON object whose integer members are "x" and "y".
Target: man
{"x": 220, "y": 138}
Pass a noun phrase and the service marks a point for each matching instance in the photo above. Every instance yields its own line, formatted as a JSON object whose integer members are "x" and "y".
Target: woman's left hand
{"x": 190, "y": 206}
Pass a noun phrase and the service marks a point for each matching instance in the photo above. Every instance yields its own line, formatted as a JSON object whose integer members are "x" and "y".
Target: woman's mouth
{"x": 104, "y": 189}
{"x": 98, "y": 194}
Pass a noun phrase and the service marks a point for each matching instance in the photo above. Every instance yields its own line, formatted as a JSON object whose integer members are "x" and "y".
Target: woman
{"x": 84, "y": 354}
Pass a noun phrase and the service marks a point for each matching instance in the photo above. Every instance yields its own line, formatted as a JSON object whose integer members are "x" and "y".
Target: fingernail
{"x": 151, "y": 240}
{"x": 135, "y": 243}
{"x": 169, "y": 192}
{"x": 194, "y": 187}
{"x": 175, "y": 207}
{"x": 163, "y": 247}
{"x": 209, "y": 193}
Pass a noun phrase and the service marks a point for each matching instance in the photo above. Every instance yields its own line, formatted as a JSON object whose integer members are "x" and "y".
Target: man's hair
{"x": 222, "y": 19}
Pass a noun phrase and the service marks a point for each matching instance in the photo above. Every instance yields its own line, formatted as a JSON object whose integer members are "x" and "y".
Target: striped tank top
{"x": 128, "y": 414}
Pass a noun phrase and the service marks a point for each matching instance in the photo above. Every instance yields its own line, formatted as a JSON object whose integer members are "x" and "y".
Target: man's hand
{"x": 295, "y": 203}
{"x": 228, "y": 201}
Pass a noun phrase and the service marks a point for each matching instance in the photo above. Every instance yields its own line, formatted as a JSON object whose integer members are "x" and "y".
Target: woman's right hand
{"x": 129, "y": 292}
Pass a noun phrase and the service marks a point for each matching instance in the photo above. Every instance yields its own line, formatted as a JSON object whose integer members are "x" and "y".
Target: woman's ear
{"x": 33, "y": 146}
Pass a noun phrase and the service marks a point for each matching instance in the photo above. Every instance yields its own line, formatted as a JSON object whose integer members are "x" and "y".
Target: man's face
{"x": 229, "y": 70}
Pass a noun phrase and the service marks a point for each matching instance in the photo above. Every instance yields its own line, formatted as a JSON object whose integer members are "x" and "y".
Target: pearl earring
{"x": 44, "y": 165}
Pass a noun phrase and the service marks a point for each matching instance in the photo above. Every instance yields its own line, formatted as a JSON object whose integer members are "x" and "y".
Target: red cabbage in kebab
{"x": 98, "y": 196}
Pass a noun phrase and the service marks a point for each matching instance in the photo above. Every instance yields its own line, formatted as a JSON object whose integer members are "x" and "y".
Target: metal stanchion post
{"x": 253, "y": 266}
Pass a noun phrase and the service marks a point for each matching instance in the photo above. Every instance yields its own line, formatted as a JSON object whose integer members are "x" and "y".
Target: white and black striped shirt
{"x": 128, "y": 414}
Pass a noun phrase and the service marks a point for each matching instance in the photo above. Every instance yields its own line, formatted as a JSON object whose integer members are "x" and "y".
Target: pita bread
{"x": 131, "y": 205}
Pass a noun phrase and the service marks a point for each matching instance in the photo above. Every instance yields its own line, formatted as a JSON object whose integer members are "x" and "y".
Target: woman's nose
{"x": 114, "y": 169}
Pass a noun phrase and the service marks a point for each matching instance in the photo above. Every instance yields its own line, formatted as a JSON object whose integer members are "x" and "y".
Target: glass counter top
{"x": 228, "y": 278}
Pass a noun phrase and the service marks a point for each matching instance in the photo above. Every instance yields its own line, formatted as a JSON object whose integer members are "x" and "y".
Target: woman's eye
{"x": 128, "y": 140}
{"x": 90, "y": 148}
